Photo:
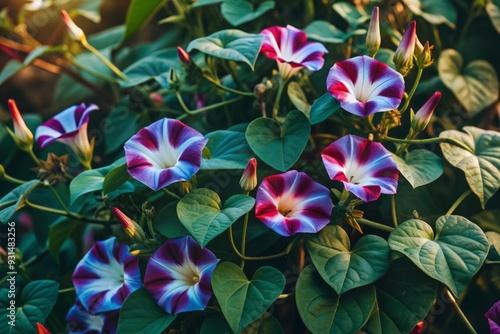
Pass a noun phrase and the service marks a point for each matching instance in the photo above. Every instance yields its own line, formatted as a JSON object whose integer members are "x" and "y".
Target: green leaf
{"x": 93, "y": 180}
{"x": 11, "y": 68}
{"x": 405, "y": 296}
{"x": 202, "y": 214}
{"x": 243, "y": 301}
{"x": 419, "y": 167}
{"x": 434, "y": 12}
{"x": 351, "y": 14}
{"x": 115, "y": 179}
{"x": 59, "y": 232}
{"x": 167, "y": 223}
{"x": 324, "y": 311}
{"x": 40, "y": 52}
{"x": 237, "y": 12}
{"x": 200, "y": 3}
{"x": 323, "y": 108}
{"x": 493, "y": 10}
{"x": 266, "y": 324}
{"x": 14, "y": 200}
{"x": 230, "y": 44}
{"x": 386, "y": 55}
{"x": 298, "y": 98}
{"x": 38, "y": 299}
{"x": 482, "y": 169}
{"x": 279, "y": 145}
{"x": 139, "y": 13}
{"x": 121, "y": 124}
{"x": 141, "y": 314}
{"x": 487, "y": 220}
{"x": 345, "y": 269}
{"x": 494, "y": 253}
{"x": 325, "y": 32}
{"x": 228, "y": 150}
{"x": 452, "y": 257}
{"x": 475, "y": 86}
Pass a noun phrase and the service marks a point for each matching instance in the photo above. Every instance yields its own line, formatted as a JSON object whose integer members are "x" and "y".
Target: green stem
{"x": 244, "y": 238}
{"x": 168, "y": 192}
{"x": 450, "y": 141}
{"x": 34, "y": 157}
{"x": 378, "y": 226}
{"x": 231, "y": 90}
{"x": 457, "y": 202}
{"x": 109, "y": 64}
{"x": 278, "y": 97}
{"x": 13, "y": 180}
{"x": 393, "y": 211}
{"x": 89, "y": 70}
{"x": 412, "y": 91}
{"x": 66, "y": 214}
{"x": 59, "y": 199}
{"x": 207, "y": 108}
{"x": 258, "y": 258}
{"x": 66, "y": 290}
{"x": 460, "y": 313}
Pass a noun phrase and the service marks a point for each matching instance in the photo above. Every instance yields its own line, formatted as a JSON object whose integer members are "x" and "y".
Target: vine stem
{"x": 207, "y": 108}
{"x": 393, "y": 211}
{"x": 109, "y": 64}
{"x": 429, "y": 141}
{"x": 66, "y": 214}
{"x": 459, "y": 200}
{"x": 244, "y": 238}
{"x": 378, "y": 226}
{"x": 412, "y": 91}
{"x": 168, "y": 192}
{"x": 13, "y": 179}
{"x": 228, "y": 89}
{"x": 278, "y": 97}
{"x": 460, "y": 313}
{"x": 66, "y": 290}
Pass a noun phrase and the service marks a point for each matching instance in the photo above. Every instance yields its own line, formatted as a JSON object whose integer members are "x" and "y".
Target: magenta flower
{"x": 292, "y": 202}
{"x": 365, "y": 167}
{"x": 424, "y": 114}
{"x": 179, "y": 274}
{"x": 289, "y": 47}
{"x": 164, "y": 152}
{"x": 106, "y": 276}
{"x": 403, "y": 56}
{"x": 364, "y": 86}
{"x": 70, "y": 128}
{"x": 79, "y": 320}
{"x": 493, "y": 316}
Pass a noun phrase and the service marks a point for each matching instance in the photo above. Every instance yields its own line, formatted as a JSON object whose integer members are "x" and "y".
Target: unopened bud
{"x": 185, "y": 187}
{"x": 75, "y": 32}
{"x": 157, "y": 99}
{"x": 183, "y": 56}
{"x": 424, "y": 114}
{"x": 424, "y": 58}
{"x": 248, "y": 180}
{"x": 40, "y": 329}
{"x": 22, "y": 135}
{"x": 148, "y": 211}
{"x": 403, "y": 57}
{"x": 259, "y": 89}
{"x": 373, "y": 38}
{"x": 132, "y": 229}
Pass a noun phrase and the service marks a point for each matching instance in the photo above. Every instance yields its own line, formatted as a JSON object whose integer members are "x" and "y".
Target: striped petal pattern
{"x": 292, "y": 202}
{"x": 106, "y": 276}
{"x": 164, "y": 152}
{"x": 289, "y": 47}
{"x": 364, "y": 86}
{"x": 179, "y": 274}
{"x": 366, "y": 168}
{"x": 79, "y": 320}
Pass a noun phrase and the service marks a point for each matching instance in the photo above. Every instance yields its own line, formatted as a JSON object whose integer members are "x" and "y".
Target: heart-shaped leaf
{"x": 325, "y": 32}
{"x": 434, "y": 12}
{"x": 493, "y": 10}
{"x": 266, "y": 324}
{"x": 230, "y": 44}
{"x": 475, "y": 86}
{"x": 482, "y": 169}
{"x": 115, "y": 179}
{"x": 323, "y": 107}
{"x": 147, "y": 318}
{"x": 419, "y": 167}
{"x": 345, "y": 269}
{"x": 452, "y": 257}
{"x": 139, "y": 13}
{"x": 404, "y": 297}
{"x": 228, "y": 150}
{"x": 14, "y": 200}
{"x": 167, "y": 223}
{"x": 202, "y": 214}
{"x": 237, "y": 12}
{"x": 324, "y": 311}
{"x": 59, "y": 232}
{"x": 279, "y": 145}
{"x": 243, "y": 301}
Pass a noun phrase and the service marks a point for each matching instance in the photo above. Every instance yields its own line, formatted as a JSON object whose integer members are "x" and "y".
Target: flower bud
{"x": 424, "y": 114}
{"x": 403, "y": 57}
{"x": 185, "y": 187}
{"x": 40, "y": 329}
{"x": 183, "y": 56}
{"x": 424, "y": 55}
{"x": 132, "y": 229}
{"x": 22, "y": 136}
{"x": 75, "y": 32}
{"x": 248, "y": 180}
{"x": 373, "y": 38}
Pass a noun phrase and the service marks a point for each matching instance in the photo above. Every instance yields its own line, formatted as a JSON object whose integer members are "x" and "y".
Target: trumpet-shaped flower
{"x": 289, "y": 47}
{"x": 164, "y": 152}
{"x": 365, "y": 168}
{"x": 364, "y": 86}
{"x": 79, "y": 320}
{"x": 493, "y": 316}
{"x": 292, "y": 202}
{"x": 105, "y": 276}
{"x": 70, "y": 128}
{"x": 21, "y": 135}
{"x": 179, "y": 274}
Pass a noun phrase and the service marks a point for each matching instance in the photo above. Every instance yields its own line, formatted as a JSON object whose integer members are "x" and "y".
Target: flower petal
{"x": 292, "y": 202}
{"x": 178, "y": 275}
{"x": 365, "y": 167}
{"x": 164, "y": 152}
{"x": 493, "y": 316}
{"x": 79, "y": 320}
{"x": 364, "y": 86}
{"x": 105, "y": 276}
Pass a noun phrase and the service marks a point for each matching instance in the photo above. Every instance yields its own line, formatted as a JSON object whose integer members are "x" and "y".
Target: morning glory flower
{"x": 106, "y": 276}
{"x": 164, "y": 152}
{"x": 493, "y": 316}
{"x": 365, "y": 167}
{"x": 70, "y": 128}
{"x": 292, "y": 202}
{"x": 364, "y": 86}
{"x": 179, "y": 274}
{"x": 289, "y": 47}
{"x": 79, "y": 320}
